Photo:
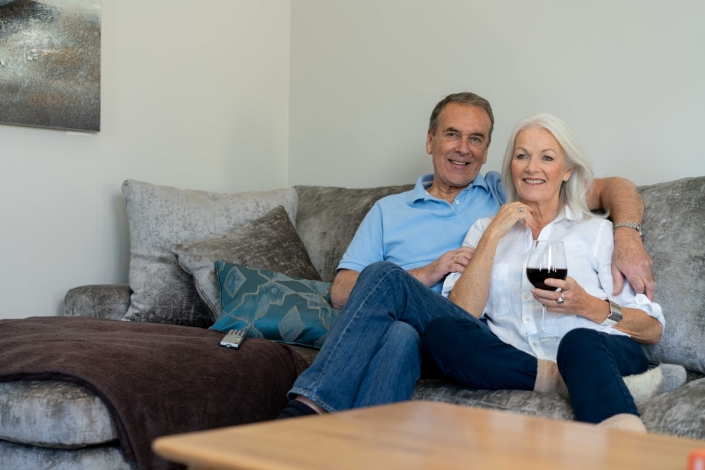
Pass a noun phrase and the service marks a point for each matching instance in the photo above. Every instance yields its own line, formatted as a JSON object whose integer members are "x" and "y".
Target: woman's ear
{"x": 567, "y": 174}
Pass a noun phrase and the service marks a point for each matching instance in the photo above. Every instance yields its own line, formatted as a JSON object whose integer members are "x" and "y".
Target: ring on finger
{"x": 521, "y": 209}
{"x": 455, "y": 260}
{"x": 560, "y": 299}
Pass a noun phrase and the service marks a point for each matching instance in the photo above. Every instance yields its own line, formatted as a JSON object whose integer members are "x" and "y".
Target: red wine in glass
{"x": 537, "y": 276}
{"x": 546, "y": 260}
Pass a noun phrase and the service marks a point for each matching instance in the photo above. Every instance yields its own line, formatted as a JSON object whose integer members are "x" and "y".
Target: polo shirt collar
{"x": 425, "y": 181}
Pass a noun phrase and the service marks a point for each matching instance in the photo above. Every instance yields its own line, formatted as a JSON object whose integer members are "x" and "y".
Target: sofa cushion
{"x": 161, "y": 216}
{"x": 274, "y": 306}
{"x": 328, "y": 218}
{"x": 680, "y": 412}
{"x": 270, "y": 242}
{"x": 673, "y": 236}
{"x": 109, "y": 301}
{"x": 53, "y": 414}
{"x": 24, "y": 457}
{"x": 547, "y": 405}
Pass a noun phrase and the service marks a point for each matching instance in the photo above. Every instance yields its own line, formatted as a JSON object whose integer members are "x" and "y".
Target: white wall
{"x": 628, "y": 76}
{"x": 193, "y": 95}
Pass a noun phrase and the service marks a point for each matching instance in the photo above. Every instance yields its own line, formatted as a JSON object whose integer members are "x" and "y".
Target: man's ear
{"x": 429, "y": 141}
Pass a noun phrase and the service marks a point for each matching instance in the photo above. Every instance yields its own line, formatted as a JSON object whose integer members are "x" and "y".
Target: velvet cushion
{"x": 49, "y": 413}
{"x": 274, "y": 306}
{"x": 270, "y": 242}
{"x": 328, "y": 218}
{"x": 161, "y": 216}
{"x": 673, "y": 236}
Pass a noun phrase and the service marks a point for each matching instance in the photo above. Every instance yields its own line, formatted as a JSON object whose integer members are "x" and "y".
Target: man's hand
{"x": 630, "y": 259}
{"x": 453, "y": 261}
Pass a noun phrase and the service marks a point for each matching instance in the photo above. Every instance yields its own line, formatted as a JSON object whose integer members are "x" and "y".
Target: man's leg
{"x": 392, "y": 373}
{"x": 383, "y": 294}
{"x": 467, "y": 351}
{"x": 592, "y": 365}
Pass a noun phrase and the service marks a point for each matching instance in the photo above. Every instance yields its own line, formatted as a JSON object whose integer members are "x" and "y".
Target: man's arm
{"x": 620, "y": 197}
{"x": 342, "y": 286}
{"x": 430, "y": 275}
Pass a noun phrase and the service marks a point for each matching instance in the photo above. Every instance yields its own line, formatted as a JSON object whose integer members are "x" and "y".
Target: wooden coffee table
{"x": 421, "y": 435}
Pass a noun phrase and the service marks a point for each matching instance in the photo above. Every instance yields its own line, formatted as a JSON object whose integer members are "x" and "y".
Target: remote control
{"x": 233, "y": 339}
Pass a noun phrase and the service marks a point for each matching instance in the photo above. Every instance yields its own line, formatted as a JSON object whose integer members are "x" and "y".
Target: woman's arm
{"x": 635, "y": 322}
{"x": 471, "y": 290}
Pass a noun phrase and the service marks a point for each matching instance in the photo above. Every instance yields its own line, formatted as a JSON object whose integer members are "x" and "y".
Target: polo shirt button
{"x": 527, "y": 319}
{"x": 526, "y": 296}
{"x": 457, "y": 202}
{"x": 534, "y": 344}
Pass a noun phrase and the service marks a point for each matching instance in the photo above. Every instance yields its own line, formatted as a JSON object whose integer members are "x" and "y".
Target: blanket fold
{"x": 155, "y": 379}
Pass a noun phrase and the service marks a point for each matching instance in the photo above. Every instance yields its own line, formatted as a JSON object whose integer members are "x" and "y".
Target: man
{"x": 374, "y": 357}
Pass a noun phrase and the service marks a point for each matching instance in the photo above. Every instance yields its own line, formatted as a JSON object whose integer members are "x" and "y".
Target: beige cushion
{"x": 160, "y": 216}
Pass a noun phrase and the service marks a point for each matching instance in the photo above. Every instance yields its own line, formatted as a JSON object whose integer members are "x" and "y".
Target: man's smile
{"x": 456, "y": 162}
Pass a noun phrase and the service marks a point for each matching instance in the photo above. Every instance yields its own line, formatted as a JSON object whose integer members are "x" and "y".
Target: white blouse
{"x": 513, "y": 314}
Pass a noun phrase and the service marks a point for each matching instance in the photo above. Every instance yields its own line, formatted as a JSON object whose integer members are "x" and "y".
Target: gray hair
{"x": 466, "y": 98}
{"x": 573, "y": 192}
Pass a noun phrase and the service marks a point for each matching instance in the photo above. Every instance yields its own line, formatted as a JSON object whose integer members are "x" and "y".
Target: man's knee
{"x": 380, "y": 268}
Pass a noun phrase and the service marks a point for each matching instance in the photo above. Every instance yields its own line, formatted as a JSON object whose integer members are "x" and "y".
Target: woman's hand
{"x": 577, "y": 301}
{"x": 507, "y": 217}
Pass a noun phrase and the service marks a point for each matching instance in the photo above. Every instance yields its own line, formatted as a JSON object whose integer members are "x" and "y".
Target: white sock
{"x": 661, "y": 379}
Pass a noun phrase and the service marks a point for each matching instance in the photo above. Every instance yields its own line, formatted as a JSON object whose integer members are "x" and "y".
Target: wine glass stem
{"x": 543, "y": 321}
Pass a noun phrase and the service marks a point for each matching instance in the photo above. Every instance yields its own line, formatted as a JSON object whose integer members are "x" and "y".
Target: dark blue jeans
{"x": 373, "y": 353}
{"x": 591, "y": 363}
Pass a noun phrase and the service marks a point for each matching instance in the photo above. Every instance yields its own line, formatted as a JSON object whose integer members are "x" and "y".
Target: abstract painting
{"x": 50, "y": 63}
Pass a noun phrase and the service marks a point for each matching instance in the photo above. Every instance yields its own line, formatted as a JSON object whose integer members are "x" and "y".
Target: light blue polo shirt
{"x": 413, "y": 229}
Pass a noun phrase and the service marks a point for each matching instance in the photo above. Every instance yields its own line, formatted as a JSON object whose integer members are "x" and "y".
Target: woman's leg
{"x": 592, "y": 365}
{"x": 466, "y": 350}
{"x": 383, "y": 294}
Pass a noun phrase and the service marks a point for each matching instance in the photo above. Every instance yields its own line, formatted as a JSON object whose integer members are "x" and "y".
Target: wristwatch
{"x": 615, "y": 315}
{"x": 630, "y": 225}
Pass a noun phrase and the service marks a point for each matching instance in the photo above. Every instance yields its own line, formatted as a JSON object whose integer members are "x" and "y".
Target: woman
{"x": 547, "y": 179}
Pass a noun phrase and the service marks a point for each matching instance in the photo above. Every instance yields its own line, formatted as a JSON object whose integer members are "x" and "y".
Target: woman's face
{"x": 538, "y": 166}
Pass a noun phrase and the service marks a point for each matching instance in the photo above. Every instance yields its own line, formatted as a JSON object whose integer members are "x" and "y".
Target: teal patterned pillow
{"x": 274, "y": 306}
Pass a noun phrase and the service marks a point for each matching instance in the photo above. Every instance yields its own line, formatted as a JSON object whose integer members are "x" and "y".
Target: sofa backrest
{"x": 674, "y": 236}
{"x": 327, "y": 219}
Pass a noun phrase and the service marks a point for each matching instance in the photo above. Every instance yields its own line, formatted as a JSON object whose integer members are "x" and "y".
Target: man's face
{"x": 459, "y": 146}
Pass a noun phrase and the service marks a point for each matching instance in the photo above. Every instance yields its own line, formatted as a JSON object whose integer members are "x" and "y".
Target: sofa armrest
{"x": 100, "y": 301}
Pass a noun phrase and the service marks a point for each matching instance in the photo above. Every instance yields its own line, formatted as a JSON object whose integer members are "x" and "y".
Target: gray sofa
{"x": 48, "y": 424}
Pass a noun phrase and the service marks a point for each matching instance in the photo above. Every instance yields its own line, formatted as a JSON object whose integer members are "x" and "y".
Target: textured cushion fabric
{"x": 161, "y": 216}
{"x": 547, "y": 405}
{"x": 680, "y": 412}
{"x": 270, "y": 242}
{"x": 328, "y": 218}
{"x": 274, "y": 306}
{"x": 53, "y": 414}
{"x": 673, "y": 236}
{"x": 23, "y": 457}
{"x": 98, "y": 301}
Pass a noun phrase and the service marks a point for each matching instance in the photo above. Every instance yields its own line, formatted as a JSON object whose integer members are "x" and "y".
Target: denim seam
{"x": 355, "y": 315}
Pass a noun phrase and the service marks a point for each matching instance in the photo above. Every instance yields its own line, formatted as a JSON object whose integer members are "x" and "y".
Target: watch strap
{"x": 615, "y": 315}
{"x": 633, "y": 225}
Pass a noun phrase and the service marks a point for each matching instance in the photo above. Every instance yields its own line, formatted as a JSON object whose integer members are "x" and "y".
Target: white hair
{"x": 573, "y": 192}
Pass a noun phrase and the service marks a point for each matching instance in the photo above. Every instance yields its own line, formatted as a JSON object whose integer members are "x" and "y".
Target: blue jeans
{"x": 373, "y": 353}
{"x": 591, "y": 363}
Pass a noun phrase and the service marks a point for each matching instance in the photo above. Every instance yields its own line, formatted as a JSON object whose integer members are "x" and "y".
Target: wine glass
{"x": 546, "y": 260}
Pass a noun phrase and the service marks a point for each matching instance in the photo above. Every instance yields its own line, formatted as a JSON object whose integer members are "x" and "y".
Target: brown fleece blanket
{"x": 155, "y": 379}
